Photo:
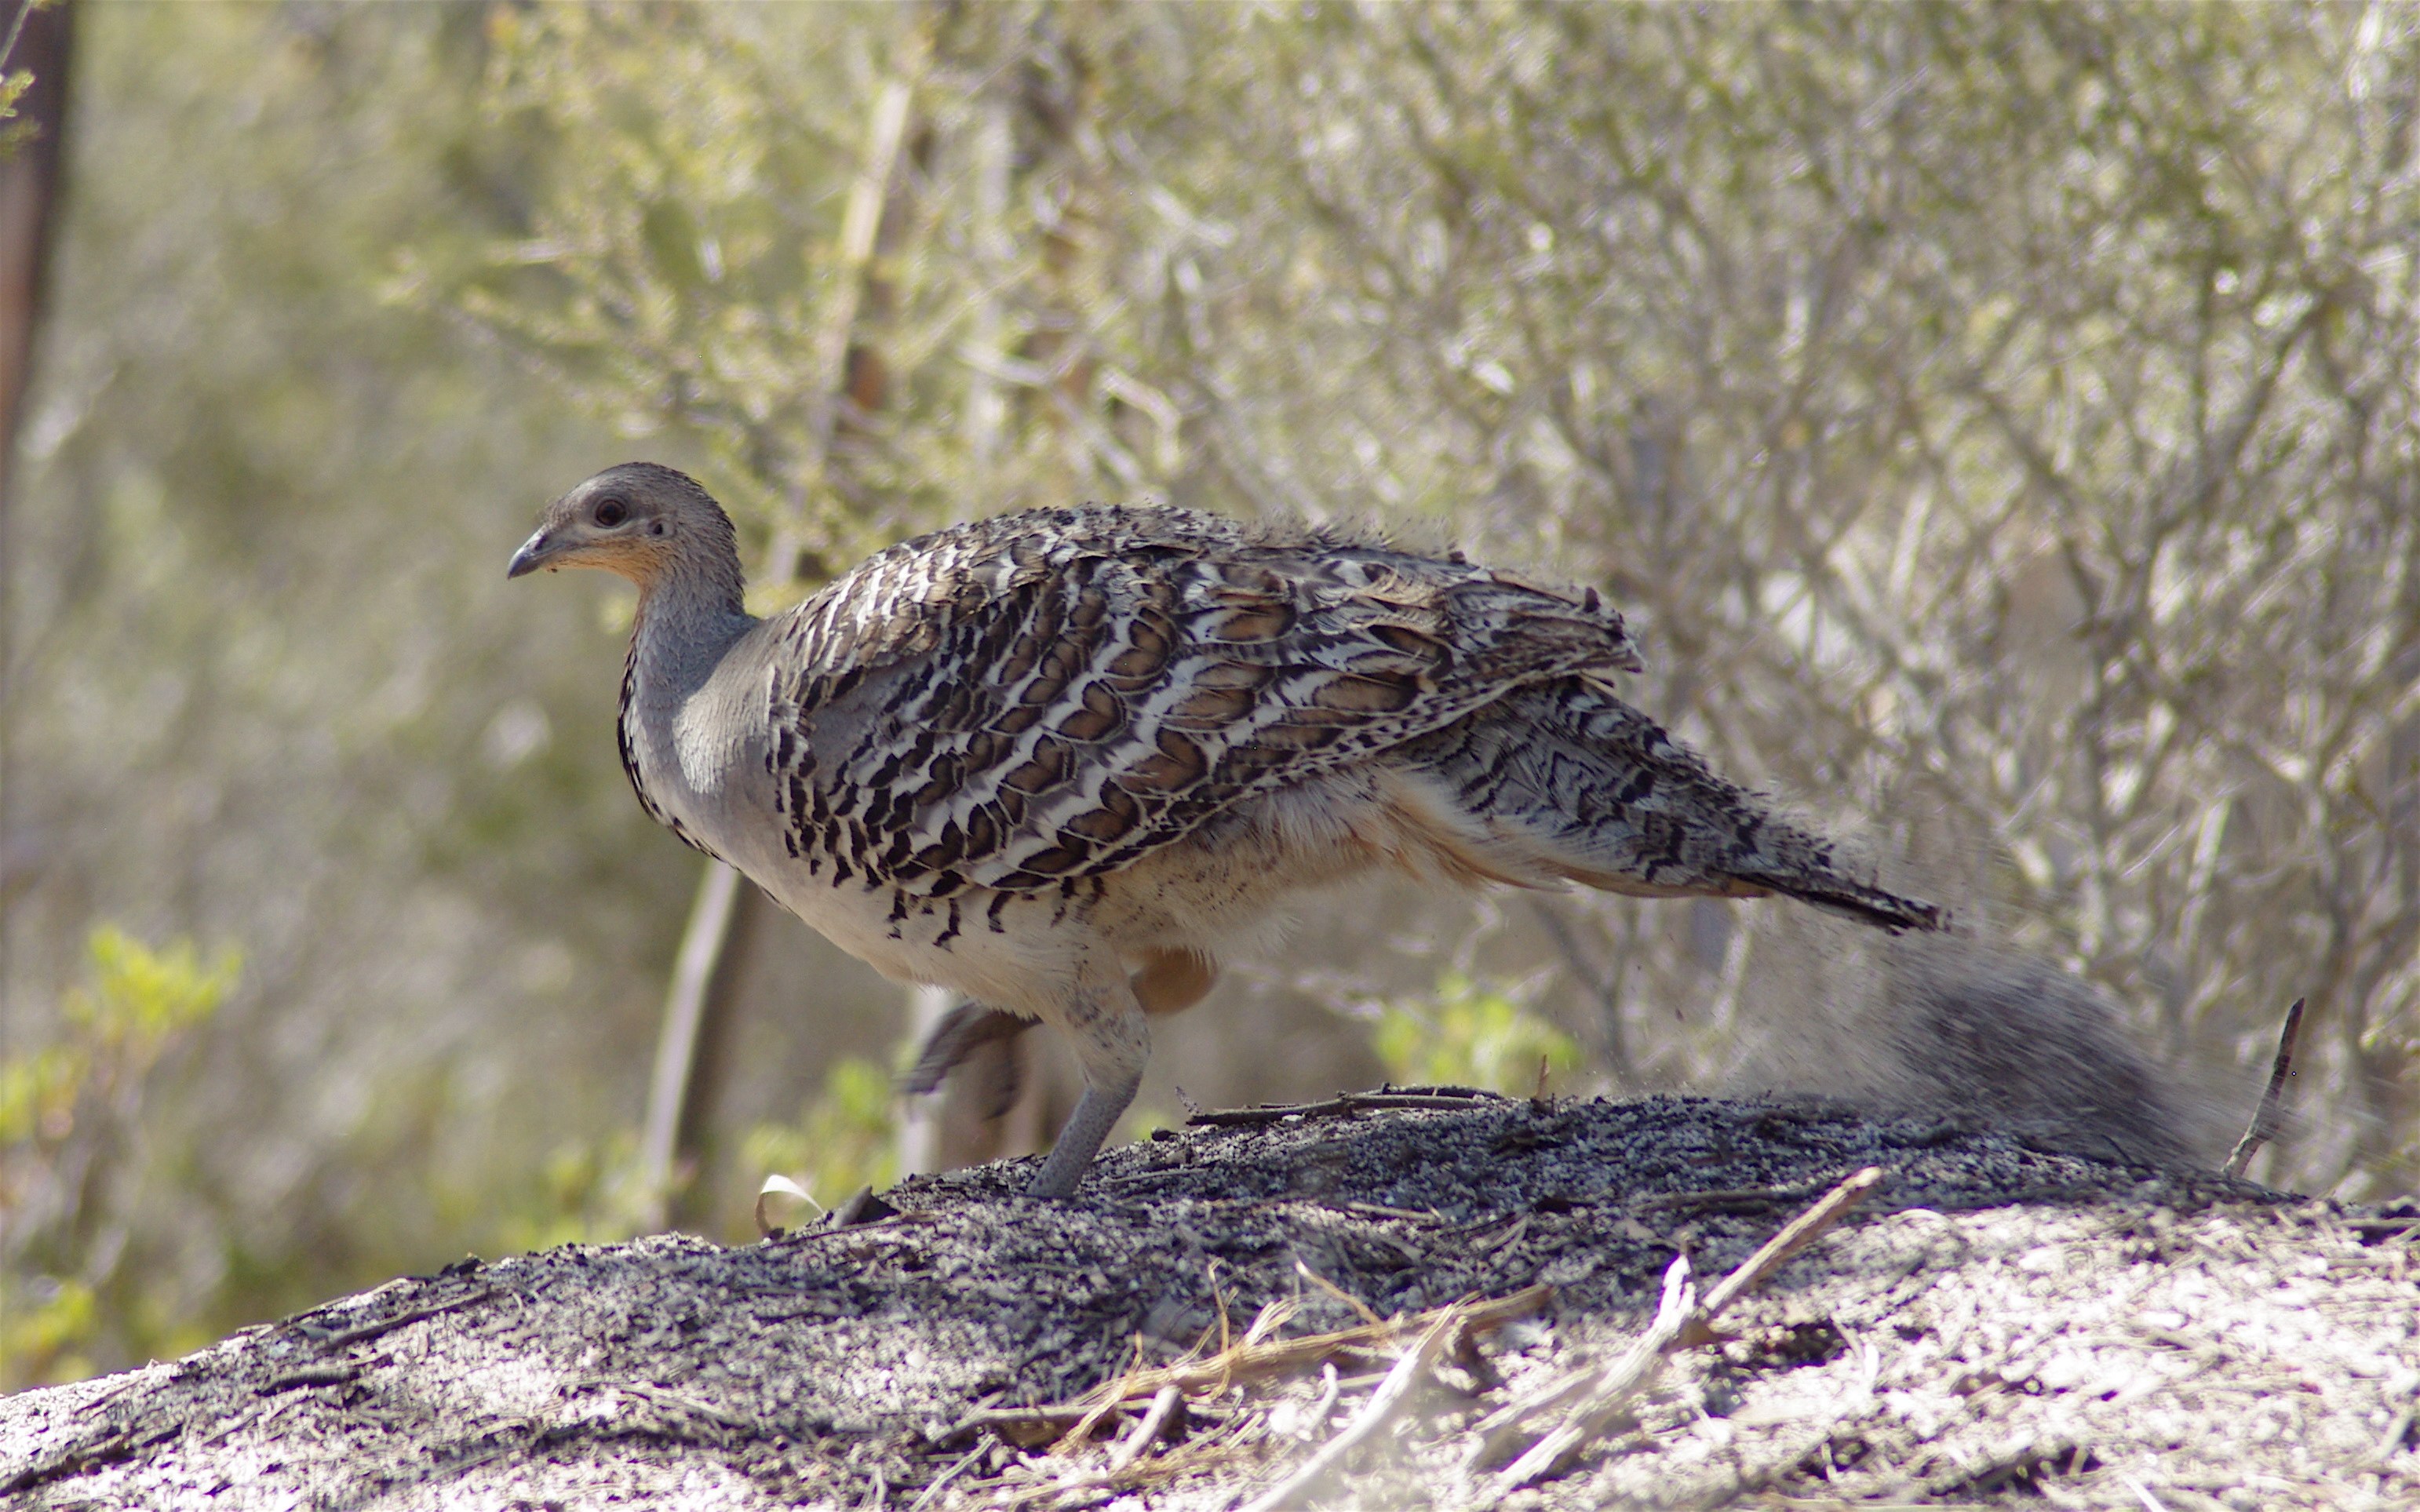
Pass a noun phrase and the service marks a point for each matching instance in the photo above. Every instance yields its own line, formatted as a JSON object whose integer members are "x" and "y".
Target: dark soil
{"x": 1996, "y": 1325}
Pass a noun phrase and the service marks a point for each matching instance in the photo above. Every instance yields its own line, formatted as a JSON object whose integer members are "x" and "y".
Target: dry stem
{"x": 2265, "y": 1118}
{"x": 1682, "y": 1321}
{"x": 1374, "y": 1413}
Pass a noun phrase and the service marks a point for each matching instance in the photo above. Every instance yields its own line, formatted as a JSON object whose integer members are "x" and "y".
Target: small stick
{"x": 346, "y": 1338}
{"x": 2266, "y": 1117}
{"x": 1682, "y": 1322}
{"x": 1795, "y": 1236}
{"x": 1373, "y": 1416}
{"x": 2392, "y": 1445}
{"x": 1503, "y": 1426}
{"x": 1261, "y": 1357}
{"x": 1330, "y": 1385}
{"x": 946, "y": 1477}
{"x": 1146, "y": 1432}
{"x": 1349, "y": 1102}
{"x": 313, "y": 1375}
{"x": 1742, "y": 1197}
{"x": 1339, "y": 1294}
{"x": 1617, "y": 1387}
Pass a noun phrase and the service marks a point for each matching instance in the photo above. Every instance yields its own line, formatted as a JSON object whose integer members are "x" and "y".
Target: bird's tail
{"x": 1862, "y": 901}
{"x": 1568, "y": 780}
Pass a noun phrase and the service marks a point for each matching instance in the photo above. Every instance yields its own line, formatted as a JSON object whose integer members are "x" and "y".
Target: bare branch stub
{"x": 2266, "y": 1117}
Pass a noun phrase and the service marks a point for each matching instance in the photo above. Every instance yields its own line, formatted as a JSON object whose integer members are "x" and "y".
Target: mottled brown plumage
{"x": 1056, "y": 759}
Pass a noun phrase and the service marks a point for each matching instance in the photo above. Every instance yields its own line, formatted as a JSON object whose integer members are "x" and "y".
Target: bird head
{"x": 639, "y": 519}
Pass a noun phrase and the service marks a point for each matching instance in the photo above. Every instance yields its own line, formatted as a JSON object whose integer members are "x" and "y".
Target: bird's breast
{"x": 690, "y": 756}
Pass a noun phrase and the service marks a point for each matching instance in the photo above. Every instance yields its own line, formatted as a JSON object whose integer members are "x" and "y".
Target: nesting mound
{"x": 1368, "y": 1303}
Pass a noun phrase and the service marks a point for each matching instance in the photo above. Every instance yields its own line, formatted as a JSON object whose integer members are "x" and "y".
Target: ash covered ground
{"x": 1995, "y": 1325}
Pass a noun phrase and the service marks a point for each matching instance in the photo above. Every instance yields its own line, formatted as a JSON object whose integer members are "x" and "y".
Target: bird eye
{"x": 611, "y": 512}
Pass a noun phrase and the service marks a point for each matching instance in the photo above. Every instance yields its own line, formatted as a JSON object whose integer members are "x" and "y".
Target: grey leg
{"x": 1096, "y": 1112}
{"x": 1112, "y": 1042}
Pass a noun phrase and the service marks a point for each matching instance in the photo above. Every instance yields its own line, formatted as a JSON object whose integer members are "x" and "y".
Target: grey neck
{"x": 687, "y": 622}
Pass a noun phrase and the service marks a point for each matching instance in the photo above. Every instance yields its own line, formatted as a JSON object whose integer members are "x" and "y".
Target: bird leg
{"x": 961, "y": 1032}
{"x": 1169, "y": 982}
{"x": 1111, "y": 1042}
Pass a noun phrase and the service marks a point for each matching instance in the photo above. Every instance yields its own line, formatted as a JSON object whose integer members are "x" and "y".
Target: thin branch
{"x": 2266, "y": 1117}
{"x": 1611, "y": 1396}
{"x": 862, "y": 219}
{"x": 1682, "y": 1321}
{"x": 1147, "y": 1431}
{"x": 685, "y": 1005}
{"x": 1795, "y": 1236}
{"x": 941, "y": 1482}
{"x": 1348, "y": 1102}
{"x": 16, "y": 29}
{"x": 1604, "y": 985}
{"x": 670, "y": 1091}
{"x": 1256, "y": 1355}
{"x": 1374, "y": 1414}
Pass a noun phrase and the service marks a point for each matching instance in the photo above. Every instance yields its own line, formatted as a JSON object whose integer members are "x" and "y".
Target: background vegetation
{"x": 1998, "y": 420}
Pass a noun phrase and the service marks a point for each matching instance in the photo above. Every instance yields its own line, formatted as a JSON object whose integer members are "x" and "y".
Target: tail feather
{"x": 1574, "y": 782}
{"x": 1864, "y": 903}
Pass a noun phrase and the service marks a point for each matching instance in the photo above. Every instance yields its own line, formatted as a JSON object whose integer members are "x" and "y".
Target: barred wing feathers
{"x": 1022, "y": 701}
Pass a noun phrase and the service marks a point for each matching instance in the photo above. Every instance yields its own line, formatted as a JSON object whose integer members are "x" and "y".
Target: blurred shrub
{"x": 265, "y": 683}
{"x": 72, "y": 1152}
{"x": 1468, "y": 1034}
{"x": 1994, "y": 419}
{"x": 587, "y": 1192}
{"x": 139, "y": 1001}
{"x": 845, "y": 1139}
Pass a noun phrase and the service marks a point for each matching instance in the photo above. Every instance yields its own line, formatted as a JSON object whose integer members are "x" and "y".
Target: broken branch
{"x": 1374, "y": 1415}
{"x": 2265, "y": 1118}
{"x": 1683, "y": 1321}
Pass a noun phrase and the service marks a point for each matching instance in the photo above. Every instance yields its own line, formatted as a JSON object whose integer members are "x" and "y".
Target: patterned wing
{"x": 1025, "y": 701}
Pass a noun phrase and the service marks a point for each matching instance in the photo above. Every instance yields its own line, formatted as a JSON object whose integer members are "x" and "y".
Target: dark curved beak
{"x": 532, "y": 555}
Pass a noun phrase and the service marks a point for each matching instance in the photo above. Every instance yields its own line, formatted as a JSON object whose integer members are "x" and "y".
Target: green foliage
{"x": 140, "y": 997}
{"x": 15, "y": 133}
{"x": 46, "y": 1330}
{"x": 846, "y": 1139}
{"x": 38, "y": 1090}
{"x": 139, "y": 1002}
{"x": 69, "y": 1112}
{"x": 1991, "y": 416}
{"x": 1469, "y": 1034}
{"x": 586, "y": 1192}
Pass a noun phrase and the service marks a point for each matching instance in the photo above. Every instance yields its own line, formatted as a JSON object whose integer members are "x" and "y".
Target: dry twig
{"x": 1147, "y": 1431}
{"x": 2266, "y": 1117}
{"x": 1611, "y": 1395}
{"x": 1682, "y": 1321}
{"x": 933, "y": 1488}
{"x": 1795, "y": 1236}
{"x": 1348, "y": 1102}
{"x": 1373, "y": 1416}
{"x": 1255, "y": 1354}
{"x": 1338, "y": 1292}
